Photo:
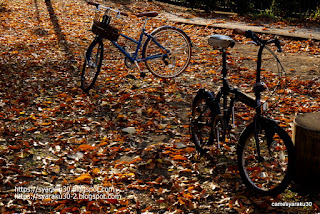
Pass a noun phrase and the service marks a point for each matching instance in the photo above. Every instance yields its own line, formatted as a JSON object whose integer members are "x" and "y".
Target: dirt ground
{"x": 54, "y": 134}
{"x": 303, "y": 66}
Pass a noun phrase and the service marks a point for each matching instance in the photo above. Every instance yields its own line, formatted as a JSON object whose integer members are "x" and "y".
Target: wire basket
{"x": 107, "y": 24}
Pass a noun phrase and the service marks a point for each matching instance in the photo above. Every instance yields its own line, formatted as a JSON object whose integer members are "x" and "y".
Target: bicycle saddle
{"x": 221, "y": 41}
{"x": 148, "y": 14}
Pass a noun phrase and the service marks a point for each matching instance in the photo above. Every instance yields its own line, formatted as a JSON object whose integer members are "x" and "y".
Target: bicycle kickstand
{"x": 142, "y": 74}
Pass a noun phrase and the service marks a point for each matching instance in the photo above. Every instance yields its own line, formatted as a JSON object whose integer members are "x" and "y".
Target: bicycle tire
{"x": 204, "y": 118}
{"x": 276, "y": 146}
{"x": 92, "y": 64}
{"x": 179, "y": 44}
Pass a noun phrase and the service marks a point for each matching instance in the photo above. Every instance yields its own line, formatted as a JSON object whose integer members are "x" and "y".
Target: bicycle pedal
{"x": 209, "y": 144}
{"x": 130, "y": 76}
{"x": 142, "y": 74}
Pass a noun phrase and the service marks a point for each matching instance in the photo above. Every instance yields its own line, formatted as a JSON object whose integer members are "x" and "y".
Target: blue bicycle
{"x": 166, "y": 51}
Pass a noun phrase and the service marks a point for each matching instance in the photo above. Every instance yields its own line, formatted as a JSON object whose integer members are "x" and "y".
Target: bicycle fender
{"x": 204, "y": 93}
{"x": 160, "y": 28}
{"x": 263, "y": 121}
{"x": 168, "y": 26}
{"x": 93, "y": 43}
{"x": 268, "y": 122}
{"x": 210, "y": 98}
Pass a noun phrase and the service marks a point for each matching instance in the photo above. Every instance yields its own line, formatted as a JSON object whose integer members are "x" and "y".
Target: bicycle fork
{"x": 256, "y": 138}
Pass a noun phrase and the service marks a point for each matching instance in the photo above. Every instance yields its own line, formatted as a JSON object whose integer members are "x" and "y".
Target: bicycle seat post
{"x": 148, "y": 16}
{"x": 225, "y": 85}
{"x": 224, "y": 63}
{"x": 145, "y": 23}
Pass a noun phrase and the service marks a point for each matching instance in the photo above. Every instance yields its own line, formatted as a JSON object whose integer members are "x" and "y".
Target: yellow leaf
{"x": 84, "y": 147}
{"x": 181, "y": 202}
{"x": 62, "y": 95}
{"x": 96, "y": 171}
{"x": 189, "y": 149}
{"x": 159, "y": 160}
{"x": 121, "y": 116}
{"x": 46, "y": 124}
{"x": 187, "y": 195}
{"x": 84, "y": 177}
{"x": 47, "y": 200}
{"x": 103, "y": 143}
{"x": 32, "y": 117}
{"x": 179, "y": 157}
{"x": 31, "y": 129}
{"x": 56, "y": 169}
{"x": 211, "y": 72}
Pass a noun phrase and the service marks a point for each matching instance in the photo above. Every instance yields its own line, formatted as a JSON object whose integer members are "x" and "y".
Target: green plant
{"x": 275, "y": 8}
{"x": 316, "y": 14}
{"x": 267, "y": 13}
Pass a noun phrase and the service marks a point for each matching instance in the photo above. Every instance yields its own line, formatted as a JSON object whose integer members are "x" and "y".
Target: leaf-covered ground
{"x": 55, "y": 138}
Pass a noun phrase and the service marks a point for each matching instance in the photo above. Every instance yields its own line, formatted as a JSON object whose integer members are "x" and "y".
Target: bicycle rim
{"x": 270, "y": 174}
{"x": 92, "y": 65}
{"x": 173, "y": 62}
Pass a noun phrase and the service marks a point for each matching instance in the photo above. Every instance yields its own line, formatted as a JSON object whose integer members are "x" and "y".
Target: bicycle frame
{"x": 135, "y": 57}
{"x": 237, "y": 95}
{"x": 143, "y": 33}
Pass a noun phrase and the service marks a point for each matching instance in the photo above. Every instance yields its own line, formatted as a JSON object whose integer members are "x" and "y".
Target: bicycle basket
{"x": 107, "y": 26}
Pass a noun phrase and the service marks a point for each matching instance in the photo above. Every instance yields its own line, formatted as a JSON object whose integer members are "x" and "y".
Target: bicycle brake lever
{"x": 278, "y": 44}
{"x": 260, "y": 87}
{"x": 265, "y": 85}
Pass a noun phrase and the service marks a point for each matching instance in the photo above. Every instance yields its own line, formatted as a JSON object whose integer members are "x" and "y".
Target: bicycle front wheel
{"x": 92, "y": 64}
{"x": 167, "y": 52}
{"x": 266, "y": 166}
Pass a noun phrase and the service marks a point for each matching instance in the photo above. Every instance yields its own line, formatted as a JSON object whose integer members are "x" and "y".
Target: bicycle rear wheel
{"x": 92, "y": 64}
{"x": 206, "y": 124}
{"x": 171, "y": 60}
{"x": 269, "y": 174}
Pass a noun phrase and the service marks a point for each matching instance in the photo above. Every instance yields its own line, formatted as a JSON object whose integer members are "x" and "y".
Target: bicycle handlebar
{"x": 97, "y": 5}
{"x": 251, "y": 35}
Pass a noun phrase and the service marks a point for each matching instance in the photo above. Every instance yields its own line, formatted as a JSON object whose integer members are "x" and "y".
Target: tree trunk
{"x": 306, "y": 137}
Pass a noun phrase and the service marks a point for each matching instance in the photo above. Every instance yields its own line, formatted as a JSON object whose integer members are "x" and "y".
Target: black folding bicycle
{"x": 264, "y": 151}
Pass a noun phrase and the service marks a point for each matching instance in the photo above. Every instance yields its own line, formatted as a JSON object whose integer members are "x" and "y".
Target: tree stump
{"x": 306, "y": 137}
